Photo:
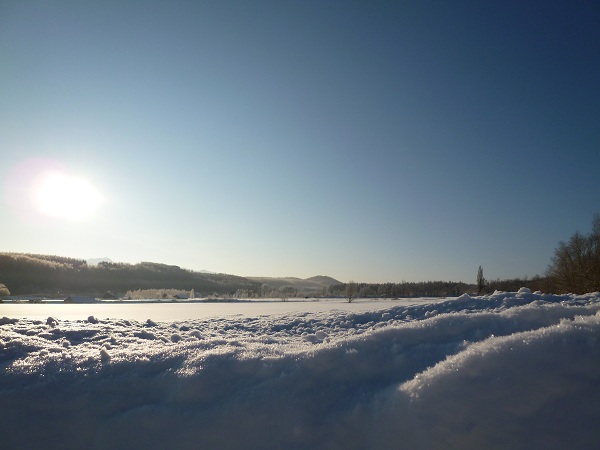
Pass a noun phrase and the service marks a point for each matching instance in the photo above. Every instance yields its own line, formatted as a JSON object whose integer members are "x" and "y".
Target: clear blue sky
{"x": 367, "y": 140}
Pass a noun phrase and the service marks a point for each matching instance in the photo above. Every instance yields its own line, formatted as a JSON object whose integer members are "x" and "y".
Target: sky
{"x": 369, "y": 141}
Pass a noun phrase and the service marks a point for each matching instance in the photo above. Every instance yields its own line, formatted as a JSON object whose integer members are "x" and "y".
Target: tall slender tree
{"x": 480, "y": 281}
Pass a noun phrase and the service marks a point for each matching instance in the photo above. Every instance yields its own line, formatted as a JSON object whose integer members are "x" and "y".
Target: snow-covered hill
{"x": 509, "y": 370}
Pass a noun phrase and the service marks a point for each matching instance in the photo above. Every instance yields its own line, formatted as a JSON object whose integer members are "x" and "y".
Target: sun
{"x": 63, "y": 196}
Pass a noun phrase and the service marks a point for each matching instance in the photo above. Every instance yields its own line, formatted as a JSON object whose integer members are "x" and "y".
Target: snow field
{"x": 509, "y": 370}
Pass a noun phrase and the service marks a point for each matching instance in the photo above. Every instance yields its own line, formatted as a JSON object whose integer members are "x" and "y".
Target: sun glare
{"x": 63, "y": 196}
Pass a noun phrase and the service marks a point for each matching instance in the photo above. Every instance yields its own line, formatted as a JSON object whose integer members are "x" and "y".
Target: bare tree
{"x": 351, "y": 289}
{"x": 575, "y": 266}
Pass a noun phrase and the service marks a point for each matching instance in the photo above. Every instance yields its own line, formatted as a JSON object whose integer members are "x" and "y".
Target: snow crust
{"x": 509, "y": 370}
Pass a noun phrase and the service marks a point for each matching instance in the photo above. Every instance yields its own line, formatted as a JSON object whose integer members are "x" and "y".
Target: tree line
{"x": 403, "y": 289}
{"x": 574, "y": 268}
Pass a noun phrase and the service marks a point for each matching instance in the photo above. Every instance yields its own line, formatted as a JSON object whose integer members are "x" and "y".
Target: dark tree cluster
{"x": 536, "y": 283}
{"x": 400, "y": 290}
{"x": 575, "y": 266}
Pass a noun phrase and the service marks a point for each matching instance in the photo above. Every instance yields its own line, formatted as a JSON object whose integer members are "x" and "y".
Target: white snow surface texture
{"x": 509, "y": 370}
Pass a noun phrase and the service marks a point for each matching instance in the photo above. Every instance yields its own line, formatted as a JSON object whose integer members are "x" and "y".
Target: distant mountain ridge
{"x": 324, "y": 279}
{"x": 312, "y": 285}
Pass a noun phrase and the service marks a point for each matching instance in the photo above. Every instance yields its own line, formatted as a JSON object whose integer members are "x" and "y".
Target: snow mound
{"x": 508, "y": 370}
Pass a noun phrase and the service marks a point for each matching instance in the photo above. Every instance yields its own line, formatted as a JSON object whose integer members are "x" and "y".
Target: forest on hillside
{"x": 57, "y": 276}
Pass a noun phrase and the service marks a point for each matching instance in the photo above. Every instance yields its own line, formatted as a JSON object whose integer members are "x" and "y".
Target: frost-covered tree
{"x": 351, "y": 289}
{"x": 4, "y": 290}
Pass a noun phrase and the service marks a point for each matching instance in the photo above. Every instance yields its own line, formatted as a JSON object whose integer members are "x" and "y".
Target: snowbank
{"x": 509, "y": 370}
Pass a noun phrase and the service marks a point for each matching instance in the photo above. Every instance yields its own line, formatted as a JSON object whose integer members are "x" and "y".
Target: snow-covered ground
{"x": 509, "y": 370}
{"x": 161, "y": 310}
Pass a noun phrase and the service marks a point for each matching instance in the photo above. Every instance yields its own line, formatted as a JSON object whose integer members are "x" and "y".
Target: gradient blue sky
{"x": 374, "y": 141}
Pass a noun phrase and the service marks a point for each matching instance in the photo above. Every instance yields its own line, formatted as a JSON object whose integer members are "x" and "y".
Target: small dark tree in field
{"x": 575, "y": 266}
{"x": 480, "y": 281}
{"x": 351, "y": 289}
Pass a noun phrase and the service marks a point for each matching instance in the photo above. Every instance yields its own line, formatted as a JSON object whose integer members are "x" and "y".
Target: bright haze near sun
{"x": 371, "y": 141}
{"x": 45, "y": 191}
{"x": 64, "y": 196}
